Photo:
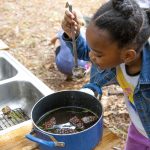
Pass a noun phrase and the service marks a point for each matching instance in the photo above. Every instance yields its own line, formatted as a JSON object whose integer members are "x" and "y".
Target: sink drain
{"x": 16, "y": 116}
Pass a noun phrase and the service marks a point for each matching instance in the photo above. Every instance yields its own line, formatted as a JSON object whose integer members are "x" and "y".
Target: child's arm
{"x": 53, "y": 40}
{"x": 73, "y": 20}
{"x": 100, "y": 78}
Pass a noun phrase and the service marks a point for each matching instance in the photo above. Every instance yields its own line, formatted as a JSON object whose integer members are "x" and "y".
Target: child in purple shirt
{"x": 64, "y": 58}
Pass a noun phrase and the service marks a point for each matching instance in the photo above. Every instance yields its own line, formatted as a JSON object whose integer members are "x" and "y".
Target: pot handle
{"x": 44, "y": 142}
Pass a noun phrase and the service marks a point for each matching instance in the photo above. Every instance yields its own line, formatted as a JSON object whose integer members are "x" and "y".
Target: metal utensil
{"x": 65, "y": 125}
{"x": 77, "y": 70}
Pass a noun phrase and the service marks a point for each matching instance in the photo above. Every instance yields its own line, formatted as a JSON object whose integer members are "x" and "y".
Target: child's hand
{"x": 88, "y": 91}
{"x": 74, "y": 20}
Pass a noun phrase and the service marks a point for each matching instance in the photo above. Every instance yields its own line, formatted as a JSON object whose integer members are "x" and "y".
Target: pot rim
{"x": 47, "y": 133}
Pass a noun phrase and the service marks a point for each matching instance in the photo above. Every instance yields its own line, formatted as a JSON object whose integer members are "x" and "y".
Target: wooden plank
{"x": 109, "y": 141}
{"x": 3, "y": 46}
{"x": 15, "y": 140}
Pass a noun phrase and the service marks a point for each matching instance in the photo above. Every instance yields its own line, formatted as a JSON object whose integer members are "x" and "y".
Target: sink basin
{"x": 6, "y": 69}
{"x": 19, "y": 90}
{"x": 19, "y": 94}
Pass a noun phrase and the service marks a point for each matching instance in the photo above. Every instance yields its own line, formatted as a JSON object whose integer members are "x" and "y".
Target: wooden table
{"x": 15, "y": 140}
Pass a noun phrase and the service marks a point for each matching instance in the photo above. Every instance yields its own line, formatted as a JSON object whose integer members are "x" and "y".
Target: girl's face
{"x": 104, "y": 52}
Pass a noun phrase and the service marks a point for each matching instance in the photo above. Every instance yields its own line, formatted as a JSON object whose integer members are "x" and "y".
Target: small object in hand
{"x": 6, "y": 110}
{"x": 50, "y": 123}
{"x": 77, "y": 122}
{"x": 89, "y": 119}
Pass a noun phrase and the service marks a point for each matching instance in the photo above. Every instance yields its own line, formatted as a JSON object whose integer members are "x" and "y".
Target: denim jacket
{"x": 103, "y": 77}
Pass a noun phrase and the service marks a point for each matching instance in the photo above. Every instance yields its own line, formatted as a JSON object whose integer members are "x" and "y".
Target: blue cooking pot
{"x": 84, "y": 140}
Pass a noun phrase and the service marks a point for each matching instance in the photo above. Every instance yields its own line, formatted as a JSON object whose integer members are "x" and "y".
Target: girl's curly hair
{"x": 126, "y": 22}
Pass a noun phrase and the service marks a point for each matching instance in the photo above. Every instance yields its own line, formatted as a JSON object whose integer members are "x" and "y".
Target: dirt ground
{"x": 28, "y": 26}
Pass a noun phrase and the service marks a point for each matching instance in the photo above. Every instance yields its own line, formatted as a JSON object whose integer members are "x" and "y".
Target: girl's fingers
{"x": 71, "y": 17}
{"x": 70, "y": 21}
{"x": 69, "y": 14}
{"x": 67, "y": 22}
{"x": 75, "y": 17}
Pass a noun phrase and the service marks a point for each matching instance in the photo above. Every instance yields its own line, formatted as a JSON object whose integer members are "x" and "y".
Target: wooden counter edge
{"x": 15, "y": 140}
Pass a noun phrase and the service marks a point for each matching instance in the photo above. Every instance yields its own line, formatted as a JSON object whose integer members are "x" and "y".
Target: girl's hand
{"x": 88, "y": 91}
{"x": 72, "y": 20}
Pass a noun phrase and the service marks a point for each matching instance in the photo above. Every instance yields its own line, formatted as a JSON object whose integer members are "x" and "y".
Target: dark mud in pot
{"x": 67, "y": 120}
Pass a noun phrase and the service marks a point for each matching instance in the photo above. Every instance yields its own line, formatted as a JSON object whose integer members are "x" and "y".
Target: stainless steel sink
{"x": 19, "y": 89}
{"x": 6, "y": 69}
{"x": 19, "y": 94}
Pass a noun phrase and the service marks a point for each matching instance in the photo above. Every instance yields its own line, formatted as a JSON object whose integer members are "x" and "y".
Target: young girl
{"x": 116, "y": 44}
